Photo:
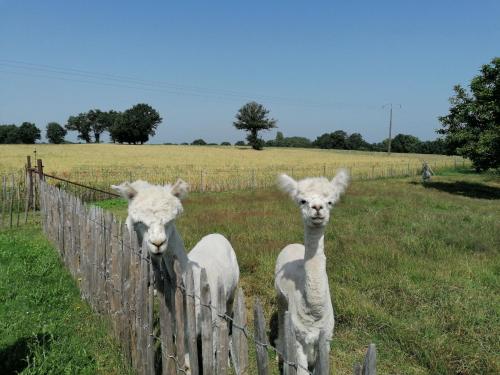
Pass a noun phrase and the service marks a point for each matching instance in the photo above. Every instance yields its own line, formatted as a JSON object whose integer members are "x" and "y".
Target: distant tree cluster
{"x": 26, "y": 133}
{"x": 341, "y": 140}
{"x": 134, "y": 125}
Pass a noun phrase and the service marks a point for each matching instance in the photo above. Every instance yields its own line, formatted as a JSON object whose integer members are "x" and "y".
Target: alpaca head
{"x": 152, "y": 210}
{"x": 315, "y": 196}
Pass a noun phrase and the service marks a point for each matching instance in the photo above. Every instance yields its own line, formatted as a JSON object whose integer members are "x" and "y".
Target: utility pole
{"x": 390, "y": 125}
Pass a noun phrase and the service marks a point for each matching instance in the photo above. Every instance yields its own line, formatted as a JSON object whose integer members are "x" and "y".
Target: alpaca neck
{"x": 316, "y": 281}
{"x": 176, "y": 248}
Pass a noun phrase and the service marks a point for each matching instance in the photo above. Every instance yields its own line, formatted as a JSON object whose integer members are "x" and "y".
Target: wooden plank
{"x": 11, "y": 205}
{"x": 141, "y": 314}
{"x": 322, "y": 366}
{"x": 29, "y": 190}
{"x": 39, "y": 166}
{"x": 18, "y": 208}
{"x": 370, "y": 364}
{"x": 290, "y": 354}
{"x": 131, "y": 245}
{"x": 113, "y": 276}
{"x": 179, "y": 314}
{"x": 150, "y": 331}
{"x": 4, "y": 200}
{"x": 222, "y": 334}
{"x": 191, "y": 323}
{"x": 239, "y": 352}
{"x": 206, "y": 324}
{"x": 261, "y": 338}
{"x": 166, "y": 333}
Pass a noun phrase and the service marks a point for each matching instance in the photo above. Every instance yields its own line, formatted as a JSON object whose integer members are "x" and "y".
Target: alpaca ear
{"x": 287, "y": 184}
{"x": 180, "y": 189}
{"x": 340, "y": 182}
{"x": 125, "y": 190}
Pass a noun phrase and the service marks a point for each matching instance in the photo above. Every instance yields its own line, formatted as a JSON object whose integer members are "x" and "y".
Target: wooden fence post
{"x": 290, "y": 349}
{"x": 260, "y": 337}
{"x": 322, "y": 366}
{"x": 39, "y": 165}
{"x": 29, "y": 190}
{"x": 3, "y": 195}
{"x": 166, "y": 334}
{"x": 11, "y": 206}
{"x": 206, "y": 324}
{"x": 179, "y": 315}
{"x": 369, "y": 366}
{"x": 191, "y": 322}
{"x": 239, "y": 351}
{"x": 222, "y": 331}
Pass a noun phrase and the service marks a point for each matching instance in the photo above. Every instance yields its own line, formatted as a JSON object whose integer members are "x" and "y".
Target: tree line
{"x": 341, "y": 140}
{"x": 133, "y": 126}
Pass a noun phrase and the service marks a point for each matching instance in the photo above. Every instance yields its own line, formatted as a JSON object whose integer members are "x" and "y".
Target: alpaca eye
{"x": 303, "y": 201}
{"x": 330, "y": 203}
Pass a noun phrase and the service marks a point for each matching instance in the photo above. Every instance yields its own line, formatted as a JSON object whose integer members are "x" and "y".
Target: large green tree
{"x": 99, "y": 123}
{"x": 135, "y": 125}
{"x": 405, "y": 143}
{"x": 55, "y": 133}
{"x": 80, "y": 124}
{"x": 9, "y": 134}
{"x": 337, "y": 139}
{"x": 29, "y": 133}
{"x": 253, "y": 117}
{"x": 472, "y": 127}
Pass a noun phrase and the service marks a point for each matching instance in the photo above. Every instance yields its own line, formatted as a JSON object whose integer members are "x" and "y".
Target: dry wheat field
{"x": 209, "y": 168}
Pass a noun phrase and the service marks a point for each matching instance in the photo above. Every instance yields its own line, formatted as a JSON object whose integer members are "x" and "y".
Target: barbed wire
{"x": 212, "y": 307}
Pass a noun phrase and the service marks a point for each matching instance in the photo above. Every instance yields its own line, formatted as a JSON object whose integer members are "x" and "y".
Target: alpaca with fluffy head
{"x": 152, "y": 210}
{"x": 301, "y": 281}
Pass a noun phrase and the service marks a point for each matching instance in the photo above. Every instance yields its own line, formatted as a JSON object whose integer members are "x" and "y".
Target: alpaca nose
{"x": 317, "y": 207}
{"x": 158, "y": 243}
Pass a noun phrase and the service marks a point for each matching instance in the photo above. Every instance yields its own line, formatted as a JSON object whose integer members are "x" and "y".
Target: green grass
{"x": 414, "y": 269}
{"x": 45, "y": 328}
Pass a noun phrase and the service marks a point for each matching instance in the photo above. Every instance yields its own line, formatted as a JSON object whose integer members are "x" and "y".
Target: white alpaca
{"x": 301, "y": 281}
{"x": 152, "y": 210}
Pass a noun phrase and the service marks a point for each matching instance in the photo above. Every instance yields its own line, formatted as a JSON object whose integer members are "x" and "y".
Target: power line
{"x": 113, "y": 80}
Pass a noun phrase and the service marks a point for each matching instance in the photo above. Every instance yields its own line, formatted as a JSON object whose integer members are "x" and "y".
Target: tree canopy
{"x": 199, "y": 142}
{"x": 135, "y": 125}
{"x": 29, "y": 133}
{"x": 26, "y": 133}
{"x": 253, "y": 117}
{"x": 55, "y": 133}
{"x": 472, "y": 127}
{"x": 80, "y": 124}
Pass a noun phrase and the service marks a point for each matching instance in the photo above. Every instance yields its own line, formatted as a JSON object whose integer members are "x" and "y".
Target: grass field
{"x": 413, "y": 269}
{"x": 209, "y": 168}
{"x": 45, "y": 328}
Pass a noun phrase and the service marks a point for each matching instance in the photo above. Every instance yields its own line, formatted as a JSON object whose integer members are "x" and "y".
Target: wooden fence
{"x": 157, "y": 329}
{"x": 17, "y": 197}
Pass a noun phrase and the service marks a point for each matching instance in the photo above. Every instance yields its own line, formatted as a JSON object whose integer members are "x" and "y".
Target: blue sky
{"x": 318, "y": 66}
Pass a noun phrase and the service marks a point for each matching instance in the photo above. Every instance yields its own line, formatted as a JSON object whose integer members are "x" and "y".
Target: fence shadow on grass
{"x": 464, "y": 188}
{"x": 14, "y": 358}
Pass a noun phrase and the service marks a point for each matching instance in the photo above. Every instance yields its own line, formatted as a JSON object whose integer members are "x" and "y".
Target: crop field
{"x": 412, "y": 268}
{"x": 210, "y": 168}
